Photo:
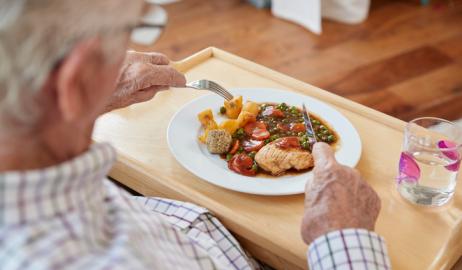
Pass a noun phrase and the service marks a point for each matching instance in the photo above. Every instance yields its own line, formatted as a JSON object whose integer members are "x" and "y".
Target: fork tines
{"x": 220, "y": 90}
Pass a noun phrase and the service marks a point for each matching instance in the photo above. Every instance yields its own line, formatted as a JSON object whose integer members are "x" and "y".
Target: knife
{"x": 308, "y": 126}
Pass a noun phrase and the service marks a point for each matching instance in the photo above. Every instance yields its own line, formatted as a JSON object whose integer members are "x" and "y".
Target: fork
{"x": 211, "y": 86}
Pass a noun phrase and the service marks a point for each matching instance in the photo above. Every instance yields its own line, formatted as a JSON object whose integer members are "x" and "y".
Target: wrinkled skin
{"x": 337, "y": 198}
{"x": 142, "y": 76}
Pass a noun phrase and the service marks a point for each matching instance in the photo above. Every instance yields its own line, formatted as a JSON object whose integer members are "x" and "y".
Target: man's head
{"x": 59, "y": 60}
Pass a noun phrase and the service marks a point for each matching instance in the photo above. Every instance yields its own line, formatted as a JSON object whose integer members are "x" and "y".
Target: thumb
{"x": 323, "y": 155}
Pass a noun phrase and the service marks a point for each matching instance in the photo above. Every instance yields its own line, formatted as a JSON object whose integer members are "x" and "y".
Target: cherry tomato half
{"x": 242, "y": 164}
{"x": 257, "y": 131}
{"x": 288, "y": 142}
{"x": 272, "y": 111}
{"x": 283, "y": 127}
{"x": 235, "y": 147}
{"x": 252, "y": 145}
{"x": 297, "y": 127}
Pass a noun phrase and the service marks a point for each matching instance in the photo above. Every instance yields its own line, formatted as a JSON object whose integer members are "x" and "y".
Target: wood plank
{"x": 446, "y": 107}
{"x": 381, "y": 74}
{"x": 440, "y": 85}
{"x": 452, "y": 47}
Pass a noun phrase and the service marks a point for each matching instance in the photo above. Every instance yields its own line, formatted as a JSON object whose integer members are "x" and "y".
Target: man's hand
{"x": 337, "y": 198}
{"x": 142, "y": 76}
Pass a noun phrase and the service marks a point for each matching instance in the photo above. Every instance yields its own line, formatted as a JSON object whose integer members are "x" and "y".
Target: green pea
{"x": 300, "y": 134}
{"x": 325, "y": 131}
{"x": 331, "y": 138}
{"x": 315, "y": 122}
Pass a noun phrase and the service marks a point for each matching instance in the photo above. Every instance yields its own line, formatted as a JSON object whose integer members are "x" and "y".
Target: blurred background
{"x": 404, "y": 59}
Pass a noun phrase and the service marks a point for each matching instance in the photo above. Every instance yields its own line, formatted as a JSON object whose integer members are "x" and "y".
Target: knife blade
{"x": 308, "y": 125}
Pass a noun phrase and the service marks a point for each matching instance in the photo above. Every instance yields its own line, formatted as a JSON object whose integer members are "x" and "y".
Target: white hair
{"x": 36, "y": 34}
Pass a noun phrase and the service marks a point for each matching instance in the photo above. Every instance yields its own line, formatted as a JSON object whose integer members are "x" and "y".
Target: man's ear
{"x": 71, "y": 78}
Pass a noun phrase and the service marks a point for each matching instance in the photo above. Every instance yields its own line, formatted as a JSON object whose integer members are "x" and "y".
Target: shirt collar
{"x": 26, "y": 196}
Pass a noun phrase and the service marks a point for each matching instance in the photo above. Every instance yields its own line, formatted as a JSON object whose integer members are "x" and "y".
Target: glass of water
{"x": 430, "y": 161}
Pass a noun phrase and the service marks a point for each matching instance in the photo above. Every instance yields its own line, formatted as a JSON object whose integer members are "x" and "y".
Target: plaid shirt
{"x": 71, "y": 217}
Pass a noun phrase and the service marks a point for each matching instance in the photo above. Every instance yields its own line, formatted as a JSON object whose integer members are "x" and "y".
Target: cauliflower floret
{"x": 218, "y": 141}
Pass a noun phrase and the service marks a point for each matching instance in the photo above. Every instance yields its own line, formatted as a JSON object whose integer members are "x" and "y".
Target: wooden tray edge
{"x": 201, "y": 56}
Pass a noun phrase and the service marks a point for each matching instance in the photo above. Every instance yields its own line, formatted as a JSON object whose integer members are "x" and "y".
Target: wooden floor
{"x": 405, "y": 60}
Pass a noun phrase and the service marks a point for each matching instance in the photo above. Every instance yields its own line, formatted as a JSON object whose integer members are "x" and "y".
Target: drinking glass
{"x": 430, "y": 161}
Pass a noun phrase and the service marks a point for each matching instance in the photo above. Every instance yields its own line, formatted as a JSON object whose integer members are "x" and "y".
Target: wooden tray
{"x": 417, "y": 237}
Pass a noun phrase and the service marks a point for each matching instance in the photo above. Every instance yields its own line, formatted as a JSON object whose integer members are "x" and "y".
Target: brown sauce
{"x": 282, "y": 120}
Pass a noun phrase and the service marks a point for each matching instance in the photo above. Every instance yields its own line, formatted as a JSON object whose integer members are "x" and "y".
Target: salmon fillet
{"x": 275, "y": 160}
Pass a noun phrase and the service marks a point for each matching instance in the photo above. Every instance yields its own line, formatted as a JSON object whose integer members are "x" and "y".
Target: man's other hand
{"x": 142, "y": 76}
{"x": 337, "y": 198}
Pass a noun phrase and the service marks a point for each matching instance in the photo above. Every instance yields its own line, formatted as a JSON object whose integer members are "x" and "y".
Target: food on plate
{"x": 207, "y": 122}
{"x": 283, "y": 154}
{"x": 218, "y": 141}
{"x": 233, "y": 107}
{"x": 251, "y": 107}
{"x": 246, "y": 117}
{"x": 230, "y": 125}
{"x": 268, "y": 138}
{"x": 242, "y": 164}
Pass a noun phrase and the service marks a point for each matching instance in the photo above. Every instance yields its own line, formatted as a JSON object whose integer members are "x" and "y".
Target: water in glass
{"x": 430, "y": 161}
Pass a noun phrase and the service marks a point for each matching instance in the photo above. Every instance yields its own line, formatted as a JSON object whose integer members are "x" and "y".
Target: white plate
{"x": 184, "y": 128}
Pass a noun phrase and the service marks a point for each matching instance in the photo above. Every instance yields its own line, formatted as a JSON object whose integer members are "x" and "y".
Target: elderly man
{"x": 62, "y": 64}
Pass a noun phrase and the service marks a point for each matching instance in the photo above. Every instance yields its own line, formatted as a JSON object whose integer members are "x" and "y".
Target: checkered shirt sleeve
{"x": 203, "y": 229}
{"x": 348, "y": 249}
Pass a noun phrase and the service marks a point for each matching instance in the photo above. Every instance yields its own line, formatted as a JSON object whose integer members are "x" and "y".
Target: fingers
{"x": 145, "y": 95}
{"x": 141, "y": 75}
{"x": 323, "y": 156}
{"x": 164, "y": 75}
{"x": 150, "y": 58}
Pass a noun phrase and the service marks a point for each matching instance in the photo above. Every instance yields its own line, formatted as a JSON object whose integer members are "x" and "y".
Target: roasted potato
{"x": 251, "y": 107}
{"x": 207, "y": 120}
{"x": 246, "y": 117}
{"x": 203, "y": 138}
{"x": 230, "y": 125}
{"x": 233, "y": 107}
